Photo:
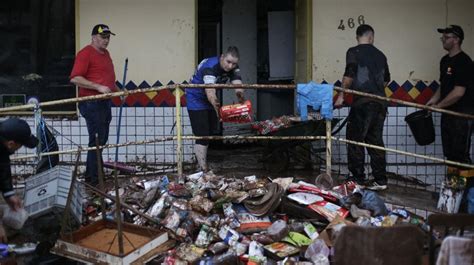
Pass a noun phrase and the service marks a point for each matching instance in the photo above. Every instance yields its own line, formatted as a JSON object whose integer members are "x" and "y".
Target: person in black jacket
{"x": 456, "y": 93}
{"x": 14, "y": 133}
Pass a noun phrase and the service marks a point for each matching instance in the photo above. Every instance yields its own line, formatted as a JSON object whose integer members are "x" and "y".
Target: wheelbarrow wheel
{"x": 277, "y": 160}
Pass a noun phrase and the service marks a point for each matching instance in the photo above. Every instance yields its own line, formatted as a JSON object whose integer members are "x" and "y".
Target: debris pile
{"x": 218, "y": 220}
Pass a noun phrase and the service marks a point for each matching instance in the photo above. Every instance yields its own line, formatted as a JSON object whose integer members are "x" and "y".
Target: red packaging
{"x": 237, "y": 113}
{"x": 329, "y": 210}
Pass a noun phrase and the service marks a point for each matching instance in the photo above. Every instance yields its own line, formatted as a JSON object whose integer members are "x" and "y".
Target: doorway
{"x": 274, "y": 39}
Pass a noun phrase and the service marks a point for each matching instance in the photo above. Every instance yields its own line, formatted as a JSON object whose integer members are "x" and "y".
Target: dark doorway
{"x": 37, "y": 51}
{"x": 209, "y": 28}
{"x": 274, "y": 103}
{"x": 269, "y": 103}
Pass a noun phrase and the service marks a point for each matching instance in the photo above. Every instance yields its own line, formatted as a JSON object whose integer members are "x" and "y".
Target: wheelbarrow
{"x": 277, "y": 153}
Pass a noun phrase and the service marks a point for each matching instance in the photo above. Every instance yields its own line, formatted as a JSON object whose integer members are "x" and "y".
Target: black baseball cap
{"x": 454, "y": 29}
{"x": 19, "y": 131}
{"x": 101, "y": 29}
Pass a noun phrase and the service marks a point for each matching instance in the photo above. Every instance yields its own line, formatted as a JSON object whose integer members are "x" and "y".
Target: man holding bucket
{"x": 456, "y": 94}
{"x": 203, "y": 104}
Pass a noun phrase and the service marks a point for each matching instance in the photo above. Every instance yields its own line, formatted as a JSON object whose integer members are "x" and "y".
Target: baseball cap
{"x": 19, "y": 131}
{"x": 101, "y": 29}
{"x": 454, "y": 29}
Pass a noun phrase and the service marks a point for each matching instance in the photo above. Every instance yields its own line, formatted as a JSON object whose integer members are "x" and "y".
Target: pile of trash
{"x": 218, "y": 220}
{"x": 277, "y": 123}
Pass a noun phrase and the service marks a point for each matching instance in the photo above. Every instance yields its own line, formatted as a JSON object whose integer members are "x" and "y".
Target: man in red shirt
{"x": 93, "y": 73}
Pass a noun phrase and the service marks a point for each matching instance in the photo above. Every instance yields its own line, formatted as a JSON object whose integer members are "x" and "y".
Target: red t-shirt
{"x": 96, "y": 67}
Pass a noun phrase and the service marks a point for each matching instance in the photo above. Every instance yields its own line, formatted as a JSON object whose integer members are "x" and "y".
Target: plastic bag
{"x": 278, "y": 230}
{"x": 318, "y": 252}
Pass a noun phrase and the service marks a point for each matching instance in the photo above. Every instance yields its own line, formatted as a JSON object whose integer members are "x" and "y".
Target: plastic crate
{"x": 48, "y": 191}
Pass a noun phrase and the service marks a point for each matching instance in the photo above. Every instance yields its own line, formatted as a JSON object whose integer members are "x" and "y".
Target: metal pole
{"x": 179, "y": 151}
{"x": 118, "y": 208}
{"x": 39, "y": 147}
{"x": 100, "y": 174}
{"x": 69, "y": 196}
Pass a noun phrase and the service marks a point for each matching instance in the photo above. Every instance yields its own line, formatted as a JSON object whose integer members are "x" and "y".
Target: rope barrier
{"x": 241, "y": 137}
{"x": 236, "y": 137}
{"x": 87, "y": 98}
{"x": 226, "y": 86}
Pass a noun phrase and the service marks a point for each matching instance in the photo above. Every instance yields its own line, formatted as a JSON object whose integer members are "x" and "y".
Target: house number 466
{"x": 351, "y": 22}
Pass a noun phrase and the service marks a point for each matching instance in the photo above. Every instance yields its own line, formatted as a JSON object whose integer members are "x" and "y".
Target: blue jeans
{"x": 98, "y": 115}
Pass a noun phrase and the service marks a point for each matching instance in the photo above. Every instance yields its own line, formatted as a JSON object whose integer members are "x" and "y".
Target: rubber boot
{"x": 201, "y": 155}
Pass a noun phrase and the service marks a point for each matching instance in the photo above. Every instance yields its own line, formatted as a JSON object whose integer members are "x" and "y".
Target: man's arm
{"x": 239, "y": 93}
{"x": 6, "y": 187}
{"x": 454, "y": 96}
{"x": 435, "y": 98}
{"x": 209, "y": 78}
{"x": 83, "y": 82}
{"x": 348, "y": 77}
{"x": 346, "y": 84}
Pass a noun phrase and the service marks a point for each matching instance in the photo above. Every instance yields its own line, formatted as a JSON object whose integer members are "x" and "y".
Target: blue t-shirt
{"x": 209, "y": 71}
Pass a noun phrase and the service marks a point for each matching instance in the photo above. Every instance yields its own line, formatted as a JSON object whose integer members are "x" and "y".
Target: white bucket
{"x": 449, "y": 199}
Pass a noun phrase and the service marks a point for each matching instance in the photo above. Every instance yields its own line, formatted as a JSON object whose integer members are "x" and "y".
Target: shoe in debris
{"x": 376, "y": 186}
{"x": 357, "y": 180}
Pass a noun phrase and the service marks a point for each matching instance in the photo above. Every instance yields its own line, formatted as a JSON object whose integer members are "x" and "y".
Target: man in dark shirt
{"x": 14, "y": 133}
{"x": 203, "y": 104}
{"x": 456, "y": 94}
{"x": 366, "y": 71}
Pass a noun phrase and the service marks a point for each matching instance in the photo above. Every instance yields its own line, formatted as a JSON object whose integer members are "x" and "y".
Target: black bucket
{"x": 421, "y": 126}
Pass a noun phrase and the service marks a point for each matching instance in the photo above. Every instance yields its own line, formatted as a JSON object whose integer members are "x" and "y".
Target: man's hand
{"x": 14, "y": 202}
{"x": 103, "y": 89}
{"x": 240, "y": 96}
{"x": 3, "y": 235}
{"x": 216, "y": 106}
{"x": 339, "y": 101}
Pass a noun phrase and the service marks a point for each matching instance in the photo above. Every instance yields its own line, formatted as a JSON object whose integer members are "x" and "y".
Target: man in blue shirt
{"x": 203, "y": 104}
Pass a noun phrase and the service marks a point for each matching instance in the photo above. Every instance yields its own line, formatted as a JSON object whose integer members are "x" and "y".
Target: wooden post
{"x": 179, "y": 151}
{"x": 328, "y": 147}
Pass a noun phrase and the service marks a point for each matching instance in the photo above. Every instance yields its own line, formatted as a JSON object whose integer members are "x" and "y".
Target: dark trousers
{"x": 365, "y": 124}
{"x": 98, "y": 115}
{"x": 203, "y": 123}
{"x": 456, "y": 136}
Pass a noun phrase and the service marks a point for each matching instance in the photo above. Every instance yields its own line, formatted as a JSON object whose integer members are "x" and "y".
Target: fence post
{"x": 328, "y": 147}
{"x": 179, "y": 151}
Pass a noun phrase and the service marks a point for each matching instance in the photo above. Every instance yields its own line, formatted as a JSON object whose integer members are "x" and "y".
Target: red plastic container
{"x": 237, "y": 113}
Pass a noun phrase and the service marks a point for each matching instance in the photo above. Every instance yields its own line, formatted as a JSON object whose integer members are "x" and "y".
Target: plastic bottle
{"x": 14, "y": 219}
